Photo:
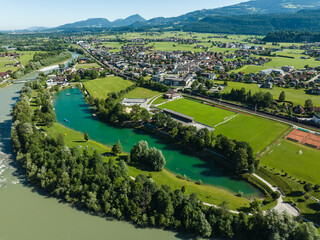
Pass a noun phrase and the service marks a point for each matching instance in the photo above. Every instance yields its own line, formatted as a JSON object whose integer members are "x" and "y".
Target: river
{"x": 26, "y": 214}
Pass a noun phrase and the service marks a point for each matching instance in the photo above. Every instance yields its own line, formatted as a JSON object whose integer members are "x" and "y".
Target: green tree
{"x": 255, "y": 205}
{"x": 117, "y": 148}
{"x": 86, "y": 136}
{"x": 308, "y": 105}
{"x": 282, "y": 96}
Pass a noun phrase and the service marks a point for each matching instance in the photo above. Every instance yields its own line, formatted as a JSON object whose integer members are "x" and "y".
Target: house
{"x": 210, "y": 76}
{"x": 298, "y": 109}
{"x": 4, "y": 75}
{"x": 266, "y": 85}
{"x": 287, "y": 68}
{"x": 316, "y": 118}
{"x": 314, "y": 91}
{"x": 172, "y": 95}
{"x": 60, "y": 80}
{"x": 272, "y": 70}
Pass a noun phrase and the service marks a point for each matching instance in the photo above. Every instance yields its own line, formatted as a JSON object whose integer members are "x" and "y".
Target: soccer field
{"x": 100, "y": 88}
{"x": 258, "y": 132}
{"x": 202, "y": 113}
{"x": 285, "y": 156}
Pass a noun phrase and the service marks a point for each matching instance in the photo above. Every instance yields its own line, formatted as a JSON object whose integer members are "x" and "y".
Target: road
{"x": 315, "y": 78}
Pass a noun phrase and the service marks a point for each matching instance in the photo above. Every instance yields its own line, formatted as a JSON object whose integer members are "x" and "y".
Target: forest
{"x": 259, "y": 24}
{"x": 292, "y": 36}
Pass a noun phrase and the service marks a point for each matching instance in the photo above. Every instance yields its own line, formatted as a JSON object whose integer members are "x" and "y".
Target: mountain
{"x": 35, "y": 29}
{"x": 128, "y": 21}
{"x": 102, "y": 23}
{"x": 256, "y": 7}
{"x": 261, "y": 24}
{"x": 90, "y": 23}
{"x": 253, "y": 7}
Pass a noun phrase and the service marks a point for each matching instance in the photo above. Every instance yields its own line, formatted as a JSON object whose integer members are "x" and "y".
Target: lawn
{"x": 296, "y": 96}
{"x": 142, "y": 93}
{"x": 285, "y": 156}
{"x": 100, "y": 88}
{"x": 250, "y": 69}
{"x": 209, "y": 194}
{"x": 201, "y": 112}
{"x": 259, "y": 132}
{"x": 87, "y": 65}
{"x": 297, "y": 62}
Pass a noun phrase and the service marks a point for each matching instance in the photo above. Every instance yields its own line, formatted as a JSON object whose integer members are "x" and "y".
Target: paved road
{"x": 315, "y": 78}
{"x": 281, "y": 205}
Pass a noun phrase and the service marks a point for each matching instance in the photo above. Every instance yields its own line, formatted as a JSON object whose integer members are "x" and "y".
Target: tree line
{"x": 106, "y": 189}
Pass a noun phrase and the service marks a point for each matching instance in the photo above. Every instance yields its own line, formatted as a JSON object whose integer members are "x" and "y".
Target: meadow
{"x": 87, "y": 65}
{"x": 285, "y": 156}
{"x": 296, "y": 96}
{"x": 258, "y": 132}
{"x": 4, "y": 61}
{"x": 298, "y": 63}
{"x": 26, "y": 56}
{"x": 99, "y": 88}
{"x": 173, "y": 46}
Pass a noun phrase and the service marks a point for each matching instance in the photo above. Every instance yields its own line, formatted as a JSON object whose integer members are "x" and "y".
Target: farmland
{"x": 296, "y": 96}
{"x": 259, "y": 132}
{"x": 100, "y": 88}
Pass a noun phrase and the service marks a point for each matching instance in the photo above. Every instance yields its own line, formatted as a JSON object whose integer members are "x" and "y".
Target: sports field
{"x": 259, "y": 132}
{"x": 285, "y": 156}
{"x": 296, "y": 96}
{"x": 100, "y": 88}
{"x": 142, "y": 93}
{"x": 202, "y": 113}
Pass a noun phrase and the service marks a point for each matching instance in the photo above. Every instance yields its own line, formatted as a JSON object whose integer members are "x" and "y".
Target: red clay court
{"x": 303, "y": 137}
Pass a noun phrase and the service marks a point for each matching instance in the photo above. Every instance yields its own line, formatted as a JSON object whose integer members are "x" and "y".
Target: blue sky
{"x": 20, "y": 14}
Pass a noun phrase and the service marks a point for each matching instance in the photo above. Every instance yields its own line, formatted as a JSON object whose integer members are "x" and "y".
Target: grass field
{"x": 3, "y": 62}
{"x": 296, "y": 96}
{"x": 285, "y": 156}
{"x": 100, "y": 88}
{"x": 142, "y": 93}
{"x": 173, "y": 46}
{"x": 205, "y": 193}
{"x": 259, "y": 132}
{"x": 26, "y": 56}
{"x": 297, "y": 62}
{"x": 250, "y": 69}
{"x": 87, "y": 65}
{"x": 202, "y": 113}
